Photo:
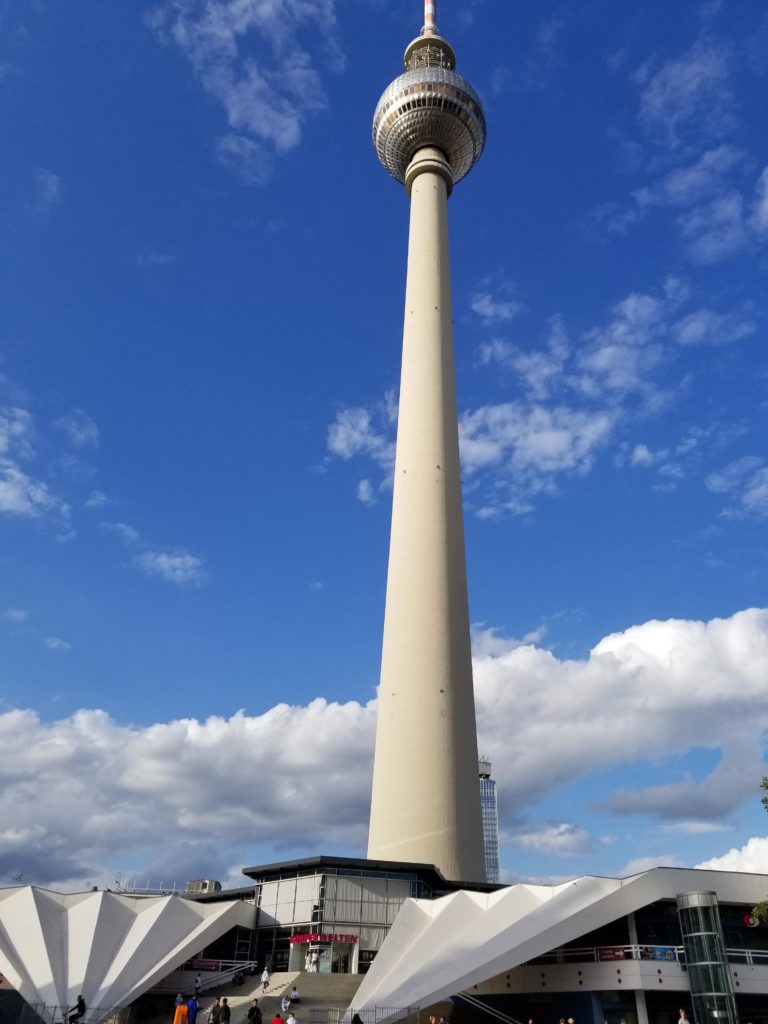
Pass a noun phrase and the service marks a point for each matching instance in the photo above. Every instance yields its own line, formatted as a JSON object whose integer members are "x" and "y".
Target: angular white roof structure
{"x": 109, "y": 947}
{"x": 438, "y": 948}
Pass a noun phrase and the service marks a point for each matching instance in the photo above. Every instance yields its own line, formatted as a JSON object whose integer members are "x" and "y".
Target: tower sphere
{"x": 429, "y": 105}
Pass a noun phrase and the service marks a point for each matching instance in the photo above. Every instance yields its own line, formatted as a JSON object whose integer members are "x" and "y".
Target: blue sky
{"x": 201, "y": 285}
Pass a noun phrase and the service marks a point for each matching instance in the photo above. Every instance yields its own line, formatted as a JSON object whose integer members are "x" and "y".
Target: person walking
{"x": 192, "y": 1009}
{"x": 197, "y": 984}
{"x": 181, "y": 1013}
{"x": 214, "y": 1014}
{"x": 254, "y": 1013}
{"x": 226, "y": 1013}
{"x": 265, "y": 980}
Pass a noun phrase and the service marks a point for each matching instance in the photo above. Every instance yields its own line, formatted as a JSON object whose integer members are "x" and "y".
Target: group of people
{"x": 187, "y": 1009}
{"x": 310, "y": 961}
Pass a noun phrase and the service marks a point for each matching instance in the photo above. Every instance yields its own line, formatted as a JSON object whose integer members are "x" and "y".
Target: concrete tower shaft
{"x": 425, "y": 804}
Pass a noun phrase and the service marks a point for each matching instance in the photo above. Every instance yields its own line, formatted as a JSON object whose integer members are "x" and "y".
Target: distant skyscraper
{"x": 429, "y": 131}
{"x": 490, "y": 810}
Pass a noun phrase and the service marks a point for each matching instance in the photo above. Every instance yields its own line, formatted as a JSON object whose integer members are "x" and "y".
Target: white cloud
{"x": 124, "y": 531}
{"x": 759, "y": 218}
{"x": 642, "y": 456}
{"x": 527, "y": 448}
{"x": 366, "y": 493}
{"x": 576, "y": 396}
{"x": 249, "y": 56}
{"x": 23, "y": 495}
{"x": 20, "y": 493}
{"x": 80, "y": 428}
{"x": 86, "y": 790}
{"x": 745, "y": 479}
{"x": 359, "y": 431}
{"x": 716, "y": 230}
{"x": 490, "y": 643}
{"x": 540, "y": 370}
{"x": 753, "y": 856}
{"x": 249, "y": 159}
{"x": 494, "y": 310}
{"x": 641, "y": 864}
{"x": 652, "y": 692}
{"x": 562, "y": 839}
{"x": 177, "y": 566}
{"x": 55, "y": 643}
{"x": 16, "y": 615}
{"x": 705, "y": 327}
{"x": 96, "y": 499}
{"x": 685, "y": 186}
{"x": 688, "y": 98}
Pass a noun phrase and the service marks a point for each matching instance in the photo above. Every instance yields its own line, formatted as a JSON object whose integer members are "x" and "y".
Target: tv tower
{"x": 429, "y": 132}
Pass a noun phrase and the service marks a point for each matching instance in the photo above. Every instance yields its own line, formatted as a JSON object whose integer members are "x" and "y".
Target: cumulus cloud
{"x": 254, "y": 59}
{"x": 753, "y": 856}
{"x": 653, "y": 691}
{"x": 86, "y": 791}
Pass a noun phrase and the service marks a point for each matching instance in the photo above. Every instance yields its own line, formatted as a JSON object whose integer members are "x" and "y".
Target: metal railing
{"x": 370, "y": 1015}
{"x": 641, "y": 951}
{"x": 45, "y": 1013}
{"x": 227, "y": 969}
{"x": 491, "y": 1011}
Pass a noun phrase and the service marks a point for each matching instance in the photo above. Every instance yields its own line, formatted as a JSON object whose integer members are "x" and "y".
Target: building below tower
{"x": 490, "y": 810}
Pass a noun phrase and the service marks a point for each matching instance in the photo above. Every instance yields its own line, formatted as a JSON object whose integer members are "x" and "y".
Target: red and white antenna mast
{"x": 430, "y": 23}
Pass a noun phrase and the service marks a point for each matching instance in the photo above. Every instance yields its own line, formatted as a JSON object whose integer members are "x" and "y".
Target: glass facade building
{"x": 490, "y": 811}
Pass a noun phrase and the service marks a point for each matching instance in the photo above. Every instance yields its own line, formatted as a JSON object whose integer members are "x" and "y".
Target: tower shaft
{"x": 425, "y": 804}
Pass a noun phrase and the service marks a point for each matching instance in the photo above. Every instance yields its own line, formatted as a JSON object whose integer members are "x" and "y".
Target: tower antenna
{"x": 430, "y": 14}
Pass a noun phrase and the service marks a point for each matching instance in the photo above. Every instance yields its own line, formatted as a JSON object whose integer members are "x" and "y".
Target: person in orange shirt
{"x": 182, "y": 1014}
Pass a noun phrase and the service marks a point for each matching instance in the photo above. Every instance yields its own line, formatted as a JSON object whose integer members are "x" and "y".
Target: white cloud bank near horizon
{"x": 85, "y": 796}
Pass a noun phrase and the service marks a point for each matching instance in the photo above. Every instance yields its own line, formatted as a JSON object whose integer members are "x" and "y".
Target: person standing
{"x": 291, "y": 1019}
{"x": 226, "y": 1013}
{"x": 181, "y": 1013}
{"x": 192, "y": 1008}
{"x": 254, "y": 1013}
{"x": 214, "y": 1014}
{"x": 197, "y": 984}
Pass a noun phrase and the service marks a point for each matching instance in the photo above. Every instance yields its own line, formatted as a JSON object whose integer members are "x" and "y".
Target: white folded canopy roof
{"x": 110, "y": 947}
{"x": 438, "y": 948}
